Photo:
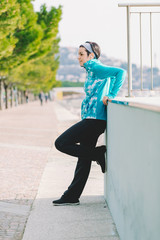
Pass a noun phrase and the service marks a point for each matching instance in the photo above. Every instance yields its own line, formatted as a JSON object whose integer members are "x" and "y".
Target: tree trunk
{"x": 18, "y": 97}
{"x": 11, "y": 95}
{"x": 35, "y": 97}
{"x": 21, "y": 97}
{"x": 6, "y": 95}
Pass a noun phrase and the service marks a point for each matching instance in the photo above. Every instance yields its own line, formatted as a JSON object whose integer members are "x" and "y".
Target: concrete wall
{"x": 132, "y": 181}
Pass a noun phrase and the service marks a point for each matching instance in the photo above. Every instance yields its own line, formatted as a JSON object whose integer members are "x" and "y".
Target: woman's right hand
{"x": 105, "y": 100}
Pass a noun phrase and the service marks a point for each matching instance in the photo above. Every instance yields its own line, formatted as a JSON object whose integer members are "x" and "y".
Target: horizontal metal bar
{"x": 139, "y": 5}
{"x": 144, "y": 12}
{"x": 146, "y": 89}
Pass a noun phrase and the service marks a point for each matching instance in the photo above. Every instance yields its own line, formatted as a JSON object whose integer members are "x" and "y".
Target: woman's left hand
{"x": 105, "y": 100}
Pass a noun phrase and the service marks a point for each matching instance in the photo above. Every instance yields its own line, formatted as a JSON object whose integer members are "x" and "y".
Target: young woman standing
{"x": 102, "y": 83}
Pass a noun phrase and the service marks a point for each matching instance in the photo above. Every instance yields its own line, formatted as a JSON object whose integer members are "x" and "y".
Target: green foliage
{"x": 49, "y": 23}
{"x": 28, "y": 36}
{"x": 9, "y": 21}
{"x": 37, "y": 75}
{"x": 72, "y": 84}
{"x": 28, "y": 44}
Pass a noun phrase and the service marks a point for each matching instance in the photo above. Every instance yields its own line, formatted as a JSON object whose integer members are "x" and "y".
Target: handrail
{"x": 139, "y": 4}
{"x": 129, "y": 12}
{"x": 138, "y": 104}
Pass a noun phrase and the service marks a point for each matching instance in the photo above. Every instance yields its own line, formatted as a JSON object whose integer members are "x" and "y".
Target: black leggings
{"x": 80, "y": 141}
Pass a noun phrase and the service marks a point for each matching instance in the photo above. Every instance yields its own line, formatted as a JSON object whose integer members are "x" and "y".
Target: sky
{"x": 102, "y": 21}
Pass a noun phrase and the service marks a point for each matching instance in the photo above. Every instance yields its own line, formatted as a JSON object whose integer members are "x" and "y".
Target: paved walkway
{"x": 28, "y": 158}
{"x": 26, "y": 135}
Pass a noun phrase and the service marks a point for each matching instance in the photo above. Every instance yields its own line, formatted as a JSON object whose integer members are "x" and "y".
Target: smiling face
{"x": 83, "y": 57}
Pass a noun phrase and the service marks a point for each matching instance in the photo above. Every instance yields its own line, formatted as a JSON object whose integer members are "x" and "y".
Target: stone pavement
{"x": 28, "y": 158}
{"x": 26, "y": 136}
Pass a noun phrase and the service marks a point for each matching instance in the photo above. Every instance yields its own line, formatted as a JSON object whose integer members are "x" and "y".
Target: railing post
{"x": 141, "y": 66}
{"x": 129, "y": 53}
{"x": 151, "y": 51}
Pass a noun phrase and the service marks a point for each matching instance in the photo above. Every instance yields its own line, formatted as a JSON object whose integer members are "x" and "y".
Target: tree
{"x": 49, "y": 23}
{"x": 28, "y": 36}
{"x": 45, "y": 58}
{"x": 9, "y": 21}
{"x": 38, "y": 75}
{"x": 34, "y": 36}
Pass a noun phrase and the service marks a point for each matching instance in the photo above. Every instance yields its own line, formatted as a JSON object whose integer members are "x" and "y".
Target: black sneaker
{"x": 102, "y": 163}
{"x": 63, "y": 202}
{"x": 101, "y": 158}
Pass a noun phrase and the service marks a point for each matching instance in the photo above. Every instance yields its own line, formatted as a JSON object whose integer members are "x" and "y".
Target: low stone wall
{"x": 132, "y": 181}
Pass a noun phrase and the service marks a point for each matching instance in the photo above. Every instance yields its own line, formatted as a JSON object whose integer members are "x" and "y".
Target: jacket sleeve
{"x": 117, "y": 76}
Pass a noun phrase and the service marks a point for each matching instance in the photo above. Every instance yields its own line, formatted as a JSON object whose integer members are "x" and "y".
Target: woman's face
{"x": 83, "y": 57}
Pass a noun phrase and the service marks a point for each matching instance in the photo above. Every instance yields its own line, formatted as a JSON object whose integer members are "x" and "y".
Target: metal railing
{"x": 129, "y": 12}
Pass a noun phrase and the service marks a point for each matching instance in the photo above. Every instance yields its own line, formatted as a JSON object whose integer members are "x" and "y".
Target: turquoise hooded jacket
{"x": 101, "y": 80}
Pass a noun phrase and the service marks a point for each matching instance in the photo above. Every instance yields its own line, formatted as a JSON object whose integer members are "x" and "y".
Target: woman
{"x": 102, "y": 83}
